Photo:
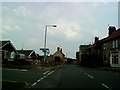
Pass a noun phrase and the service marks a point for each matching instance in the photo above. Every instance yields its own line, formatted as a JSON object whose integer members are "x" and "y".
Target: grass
{"x": 19, "y": 66}
{"x": 7, "y": 85}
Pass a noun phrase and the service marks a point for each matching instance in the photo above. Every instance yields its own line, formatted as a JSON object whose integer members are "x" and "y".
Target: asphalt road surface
{"x": 65, "y": 76}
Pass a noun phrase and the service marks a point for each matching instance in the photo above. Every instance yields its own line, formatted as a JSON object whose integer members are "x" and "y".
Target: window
{"x": 104, "y": 46}
{"x": 7, "y": 55}
{"x": 12, "y": 55}
{"x": 113, "y": 44}
{"x": 116, "y": 43}
{"x": 115, "y": 58}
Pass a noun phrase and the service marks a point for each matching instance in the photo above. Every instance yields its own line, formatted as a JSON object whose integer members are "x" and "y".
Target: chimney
{"x": 96, "y": 39}
{"x": 58, "y": 48}
{"x": 61, "y": 49}
{"x": 111, "y": 29}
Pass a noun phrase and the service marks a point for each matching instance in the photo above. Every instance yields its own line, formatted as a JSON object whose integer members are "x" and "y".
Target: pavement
{"x": 50, "y": 67}
{"x": 114, "y": 69}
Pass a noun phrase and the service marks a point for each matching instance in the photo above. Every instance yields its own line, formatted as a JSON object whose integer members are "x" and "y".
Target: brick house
{"x": 7, "y": 52}
{"x": 105, "y": 51}
{"x": 71, "y": 61}
{"x": 111, "y": 48}
{"x": 108, "y": 49}
{"x": 30, "y": 56}
{"x": 50, "y": 60}
{"x": 59, "y": 56}
{"x": 82, "y": 51}
{"x": 90, "y": 55}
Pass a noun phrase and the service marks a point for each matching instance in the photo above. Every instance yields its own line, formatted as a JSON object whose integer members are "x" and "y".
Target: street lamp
{"x": 45, "y": 50}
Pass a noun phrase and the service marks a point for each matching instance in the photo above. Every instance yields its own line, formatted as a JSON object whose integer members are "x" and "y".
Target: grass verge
{"x": 8, "y": 85}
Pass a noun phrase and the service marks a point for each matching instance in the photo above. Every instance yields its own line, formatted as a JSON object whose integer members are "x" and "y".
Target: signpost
{"x": 46, "y": 50}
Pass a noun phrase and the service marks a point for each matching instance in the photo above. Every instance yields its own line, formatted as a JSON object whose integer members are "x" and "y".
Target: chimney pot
{"x": 111, "y": 29}
{"x": 58, "y": 48}
{"x": 61, "y": 49}
{"x": 96, "y": 39}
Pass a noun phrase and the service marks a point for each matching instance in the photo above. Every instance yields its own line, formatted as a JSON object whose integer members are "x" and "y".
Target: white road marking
{"x": 15, "y": 69}
{"x": 41, "y": 78}
{"x": 106, "y": 86}
{"x": 46, "y": 72}
{"x": 24, "y": 70}
{"x": 34, "y": 84}
{"x": 44, "y": 76}
{"x": 88, "y": 75}
{"x": 51, "y": 72}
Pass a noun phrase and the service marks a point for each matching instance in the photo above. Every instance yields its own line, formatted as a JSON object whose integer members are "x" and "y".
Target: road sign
{"x": 44, "y": 49}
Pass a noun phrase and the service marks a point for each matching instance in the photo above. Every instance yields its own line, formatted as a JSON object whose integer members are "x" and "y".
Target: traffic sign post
{"x": 45, "y": 51}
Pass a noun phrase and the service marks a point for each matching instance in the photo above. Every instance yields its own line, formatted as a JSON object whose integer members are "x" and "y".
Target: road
{"x": 66, "y": 76}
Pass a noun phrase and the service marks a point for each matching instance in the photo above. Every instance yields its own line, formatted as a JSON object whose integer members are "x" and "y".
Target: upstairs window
{"x": 116, "y": 43}
{"x": 103, "y": 46}
{"x": 113, "y": 44}
{"x": 106, "y": 46}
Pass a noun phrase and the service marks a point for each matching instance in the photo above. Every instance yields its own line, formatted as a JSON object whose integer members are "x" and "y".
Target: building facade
{"x": 28, "y": 56}
{"x": 59, "y": 56}
{"x": 111, "y": 48}
{"x": 7, "y": 52}
{"x": 82, "y": 51}
{"x": 104, "y": 52}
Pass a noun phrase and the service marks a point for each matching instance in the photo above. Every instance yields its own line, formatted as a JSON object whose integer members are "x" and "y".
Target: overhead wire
{"x": 12, "y": 8}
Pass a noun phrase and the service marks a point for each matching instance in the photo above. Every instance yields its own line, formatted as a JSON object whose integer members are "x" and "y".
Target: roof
{"x": 114, "y": 35}
{"x": 59, "y": 52}
{"x": 7, "y": 45}
{"x": 26, "y": 52}
{"x": 2, "y": 43}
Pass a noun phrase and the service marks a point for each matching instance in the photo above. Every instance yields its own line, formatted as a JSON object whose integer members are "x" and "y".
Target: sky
{"x": 78, "y": 22}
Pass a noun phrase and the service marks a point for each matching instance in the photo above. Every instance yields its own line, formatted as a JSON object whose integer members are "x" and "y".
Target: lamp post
{"x": 45, "y": 50}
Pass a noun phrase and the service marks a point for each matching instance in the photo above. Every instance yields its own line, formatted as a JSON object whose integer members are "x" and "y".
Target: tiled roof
{"x": 3, "y": 43}
{"x": 26, "y": 52}
{"x": 59, "y": 52}
{"x": 114, "y": 35}
{"x": 7, "y": 45}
